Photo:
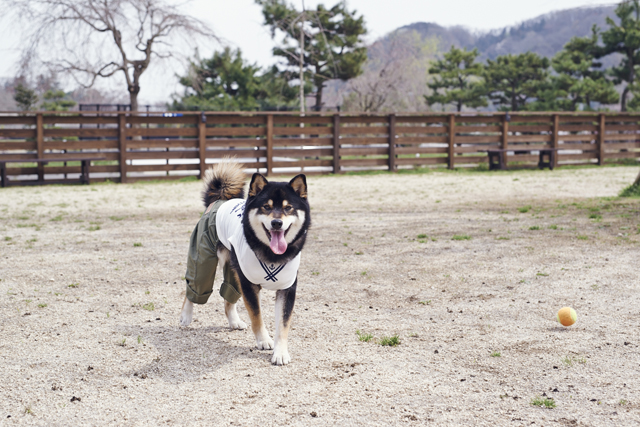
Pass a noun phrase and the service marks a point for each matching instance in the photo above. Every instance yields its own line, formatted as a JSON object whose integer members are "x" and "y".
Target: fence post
{"x": 452, "y": 137}
{"x": 505, "y": 133}
{"x": 40, "y": 144}
{"x": 336, "y": 143}
{"x": 601, "y": 130}
{"x": 122, "y": 146}
{"x": 202, "y": 143}
{"x": 392, "y": 142}
{"x": 269, "y": 144}
{"x": 554, "y": 139}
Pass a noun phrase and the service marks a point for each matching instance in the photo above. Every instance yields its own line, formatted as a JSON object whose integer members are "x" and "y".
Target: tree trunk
{"x": 623, "y": 99}
{"x": 133, "y": 100}
{"x": 632, "y": 73}
{"x": 318, "y": 106}
{"x": 637, "y": 181}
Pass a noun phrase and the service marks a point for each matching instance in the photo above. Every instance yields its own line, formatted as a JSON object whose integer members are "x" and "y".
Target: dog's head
{"x": 277, "y": 212}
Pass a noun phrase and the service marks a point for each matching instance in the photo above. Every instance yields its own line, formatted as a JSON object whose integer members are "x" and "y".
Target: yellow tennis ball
{"x": 567, "y": 316}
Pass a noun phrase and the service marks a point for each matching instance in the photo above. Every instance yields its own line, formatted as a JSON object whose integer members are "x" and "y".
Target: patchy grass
{"x": 390, "y": 341}
{"x": 631, "y": 191}
{"x": 496, "y": 354}
{"x": 546, "y": 402}
{"x": 524, "y": 209}
{"x": 149, "y": 306}
{"x": 364, "y": 337}
{"x": 461, "y": 237}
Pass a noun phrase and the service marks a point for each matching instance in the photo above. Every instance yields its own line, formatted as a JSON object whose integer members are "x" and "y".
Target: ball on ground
{"x": 567, "y": 316}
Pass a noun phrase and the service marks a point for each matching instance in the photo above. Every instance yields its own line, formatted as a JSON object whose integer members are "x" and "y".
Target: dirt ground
{"x": 468, "y": 270}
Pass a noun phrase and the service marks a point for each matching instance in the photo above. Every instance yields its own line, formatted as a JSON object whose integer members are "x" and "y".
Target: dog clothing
{"x": 202, "y": 262}
{"x": 223, "y": 221}
{"x": 269, "y": 275}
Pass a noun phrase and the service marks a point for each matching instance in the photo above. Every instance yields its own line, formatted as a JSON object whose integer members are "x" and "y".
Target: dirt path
{"x": 92, "y": 284}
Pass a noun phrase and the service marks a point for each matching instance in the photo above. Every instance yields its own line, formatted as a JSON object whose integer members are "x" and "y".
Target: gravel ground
{"x": 467, "y": 269}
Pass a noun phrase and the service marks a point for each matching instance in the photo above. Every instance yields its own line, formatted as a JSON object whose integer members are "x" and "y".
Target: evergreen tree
{"x": 456, "y": 76}
{"x": 579, "y": 80}
{"x": 624, "y": 38}
{"x": 332, "y": 38}
{"x": 512, "y": 81}
{"x": 226, "y": 82}
{"x": 25, "y": 98}
{"x": 54, "y": 100}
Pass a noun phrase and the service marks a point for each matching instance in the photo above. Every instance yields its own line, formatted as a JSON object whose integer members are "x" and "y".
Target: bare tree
{"x": 91, "y": 39}
{"x": 395, "y": 75}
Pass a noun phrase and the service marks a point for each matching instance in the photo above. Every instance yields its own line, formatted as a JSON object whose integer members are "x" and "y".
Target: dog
{"x": 258, "y": 241}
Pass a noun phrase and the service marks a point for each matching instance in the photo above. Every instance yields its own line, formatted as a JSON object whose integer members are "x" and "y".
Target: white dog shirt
{"x": 270, "y": 276}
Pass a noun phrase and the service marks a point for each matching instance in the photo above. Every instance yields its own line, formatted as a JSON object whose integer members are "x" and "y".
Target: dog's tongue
{"x": 278, "y": 244}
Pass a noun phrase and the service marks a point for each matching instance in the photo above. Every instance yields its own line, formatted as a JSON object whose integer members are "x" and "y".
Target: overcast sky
{"x": 239, "y": 23}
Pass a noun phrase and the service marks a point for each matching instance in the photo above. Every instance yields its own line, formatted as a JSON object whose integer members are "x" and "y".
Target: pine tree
{"x": 457, "y": 75}
{"x": 332, "y": 39}
{"x": 54, "y": 100}
{"x": 579, "y": 81}
{"x": 512, "y": 81}
{"x": 624, "y": 38}
{"x": 25, "y": 98}
{"x": 226, "y": 82}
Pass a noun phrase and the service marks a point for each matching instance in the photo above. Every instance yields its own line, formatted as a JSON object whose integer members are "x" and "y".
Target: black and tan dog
{"x": 258, "y": 241}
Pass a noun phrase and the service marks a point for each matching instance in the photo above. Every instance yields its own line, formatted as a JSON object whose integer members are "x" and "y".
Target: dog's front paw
{"x": 265, "y": 344}
{"x": 237, "y": 324}
{"x": 280, "y": 357}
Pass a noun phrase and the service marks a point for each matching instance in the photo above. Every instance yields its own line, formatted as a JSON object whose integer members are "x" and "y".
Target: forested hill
{"x": 544, "y": 35}
{"x": 395, "y": 76}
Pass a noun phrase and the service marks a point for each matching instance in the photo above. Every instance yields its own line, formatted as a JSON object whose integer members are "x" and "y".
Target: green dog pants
{"x": 203, "y": 261}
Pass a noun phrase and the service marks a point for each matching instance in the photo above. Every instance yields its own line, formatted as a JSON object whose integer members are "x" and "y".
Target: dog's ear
{"x": 299, "y": 185}
{"x": 258, "y": 182}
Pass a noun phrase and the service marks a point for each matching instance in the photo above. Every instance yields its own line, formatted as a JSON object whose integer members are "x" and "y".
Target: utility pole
{"x": 302, "y": 18}
{"x": 302, "y": 64}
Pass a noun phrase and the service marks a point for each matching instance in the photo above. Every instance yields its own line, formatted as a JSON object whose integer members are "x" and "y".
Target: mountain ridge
{"x": 545, "y": 34}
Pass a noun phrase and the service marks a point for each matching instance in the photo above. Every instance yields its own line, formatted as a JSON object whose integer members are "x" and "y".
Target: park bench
{"x": 85, "y": 162}
{"x": 498, "y": 157}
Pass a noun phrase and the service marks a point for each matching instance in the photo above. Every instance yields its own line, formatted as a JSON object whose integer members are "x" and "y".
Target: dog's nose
{"x": 276, "y": 224}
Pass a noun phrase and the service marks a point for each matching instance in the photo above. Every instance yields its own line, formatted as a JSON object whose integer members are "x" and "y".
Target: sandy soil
{"x": 92, "y": 284}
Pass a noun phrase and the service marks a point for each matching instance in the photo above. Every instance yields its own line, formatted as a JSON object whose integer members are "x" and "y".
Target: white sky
{"x": 239, "y": 23}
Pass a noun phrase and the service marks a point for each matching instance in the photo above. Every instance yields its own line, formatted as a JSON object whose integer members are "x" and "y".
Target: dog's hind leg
{"x": 285, "y": 300}
{"x": 232, "y": 316}
{"x": 251, "y": 297}
{"x": 187, "y": 312}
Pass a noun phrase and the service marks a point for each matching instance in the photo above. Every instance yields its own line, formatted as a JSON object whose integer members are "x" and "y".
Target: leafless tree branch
{"x": 92, "y": 39}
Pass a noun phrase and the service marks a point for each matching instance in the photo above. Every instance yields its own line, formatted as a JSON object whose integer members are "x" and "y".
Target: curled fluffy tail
{"x": 224, "y": 181}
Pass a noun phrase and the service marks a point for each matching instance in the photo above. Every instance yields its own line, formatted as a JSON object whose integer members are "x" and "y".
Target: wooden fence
{"x": 175, "y": 145}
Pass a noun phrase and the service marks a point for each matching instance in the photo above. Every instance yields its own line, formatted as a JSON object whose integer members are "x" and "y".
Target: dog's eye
{"x": 266, "y": 207}
{"x": 288, "y": 208}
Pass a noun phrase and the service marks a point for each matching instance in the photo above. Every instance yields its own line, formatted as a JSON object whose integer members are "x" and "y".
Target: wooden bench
{"x": 498, "y": 157}
{"x": 85, "y": 162}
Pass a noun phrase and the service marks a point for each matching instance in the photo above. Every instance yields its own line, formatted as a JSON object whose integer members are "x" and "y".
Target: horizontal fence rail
{"x": 143, "y": 146}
